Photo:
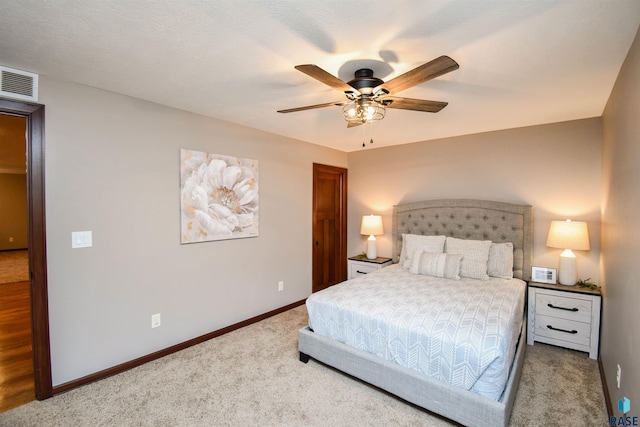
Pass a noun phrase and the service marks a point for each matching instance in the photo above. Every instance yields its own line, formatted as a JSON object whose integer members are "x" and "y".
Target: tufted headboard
{"x": 469, "y": 219}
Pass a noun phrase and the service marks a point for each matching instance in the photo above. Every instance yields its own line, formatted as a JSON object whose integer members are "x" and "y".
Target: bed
{"x": 461, "y": 222}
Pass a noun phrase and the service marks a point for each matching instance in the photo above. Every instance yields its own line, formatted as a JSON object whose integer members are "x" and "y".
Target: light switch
{"x": 81, "y": 239}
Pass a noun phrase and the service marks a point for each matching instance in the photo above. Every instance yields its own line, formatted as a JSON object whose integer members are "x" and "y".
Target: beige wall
{"x": 621, "y": 233}
{"x": 13, "y": 211}
{"x": 555, "y": 168}
{"x": 112, "y": 167}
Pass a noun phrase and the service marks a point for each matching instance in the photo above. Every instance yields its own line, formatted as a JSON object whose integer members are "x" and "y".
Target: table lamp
{"x": 568, "y": 235}
{"x": 371, "y": 226}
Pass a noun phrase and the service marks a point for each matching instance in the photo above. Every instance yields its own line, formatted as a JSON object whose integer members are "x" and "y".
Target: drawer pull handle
{"x": 562, "y": 308}
{"x": 361, "y": 272}
{"x": 562, "y": 330}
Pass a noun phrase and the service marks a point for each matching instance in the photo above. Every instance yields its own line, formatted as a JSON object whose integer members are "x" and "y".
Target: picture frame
{"x": 544, "y": 275}
{"x": 219, "y": 197}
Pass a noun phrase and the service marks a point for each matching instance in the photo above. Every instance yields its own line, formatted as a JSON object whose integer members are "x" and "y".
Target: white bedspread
{"x": 462, "y": 332}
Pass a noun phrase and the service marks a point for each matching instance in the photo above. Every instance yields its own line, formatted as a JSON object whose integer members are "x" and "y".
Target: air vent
{"x": 18, "y": 84}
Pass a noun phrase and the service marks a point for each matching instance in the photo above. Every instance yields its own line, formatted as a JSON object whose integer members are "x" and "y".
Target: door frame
{"x": 342, "y": 264}
{"x": 34, "y": 114}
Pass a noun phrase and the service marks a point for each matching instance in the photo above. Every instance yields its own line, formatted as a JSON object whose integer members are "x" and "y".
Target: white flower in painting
{"x": 219, "y": 197}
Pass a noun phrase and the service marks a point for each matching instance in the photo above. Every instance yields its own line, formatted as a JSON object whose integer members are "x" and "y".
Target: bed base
{"x": 457, "y": 404}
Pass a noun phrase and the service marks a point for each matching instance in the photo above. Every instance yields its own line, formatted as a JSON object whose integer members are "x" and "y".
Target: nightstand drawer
{"x": 570, "y": 308}
{"x": 358, "y": 265}
{"x": 563, "y": 329}
{"x": 358, "y": 269}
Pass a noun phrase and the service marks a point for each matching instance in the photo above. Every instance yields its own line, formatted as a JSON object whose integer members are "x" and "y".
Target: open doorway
{"x": 33, "y": 115}
{"x": 17, "y": 385}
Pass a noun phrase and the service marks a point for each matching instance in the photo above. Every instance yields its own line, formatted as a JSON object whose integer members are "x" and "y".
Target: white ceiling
{"x": 522, "y": 62}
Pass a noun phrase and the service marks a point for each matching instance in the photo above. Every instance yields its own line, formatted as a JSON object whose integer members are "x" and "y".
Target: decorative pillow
{"x": 500, "y": 262}
{"x": 436, "y": 265}
{"x": 475, "y": 255}
{"x": 411, "y": 243}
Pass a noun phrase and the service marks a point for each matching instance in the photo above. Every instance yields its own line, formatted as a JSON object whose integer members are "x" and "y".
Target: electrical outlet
{"x": 155, "y": 320}
{"x": 280, "y": 286}
{"x": 618, "y": 375}
{"x": 10, "y": 239}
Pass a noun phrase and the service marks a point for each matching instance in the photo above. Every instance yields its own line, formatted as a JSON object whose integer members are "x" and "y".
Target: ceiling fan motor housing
{"x": 364, "y": 82}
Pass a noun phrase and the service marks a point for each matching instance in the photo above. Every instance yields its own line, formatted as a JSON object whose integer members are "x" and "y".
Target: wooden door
{"x": 329, "y": 226}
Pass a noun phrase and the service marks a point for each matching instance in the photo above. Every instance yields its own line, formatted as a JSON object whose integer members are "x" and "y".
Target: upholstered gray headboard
{"x": 469, "y": 219}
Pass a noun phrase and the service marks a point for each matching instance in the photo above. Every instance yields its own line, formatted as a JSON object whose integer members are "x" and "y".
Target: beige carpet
{"x": 252, "y": 377}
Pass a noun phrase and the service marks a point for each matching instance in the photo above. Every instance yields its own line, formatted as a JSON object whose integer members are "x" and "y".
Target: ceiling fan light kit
{"x": 369, "y": 97}
{"x": 363, "y": 110}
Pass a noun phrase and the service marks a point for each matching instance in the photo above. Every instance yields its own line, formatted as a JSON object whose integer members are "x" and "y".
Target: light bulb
{"x": 370, "y": 112}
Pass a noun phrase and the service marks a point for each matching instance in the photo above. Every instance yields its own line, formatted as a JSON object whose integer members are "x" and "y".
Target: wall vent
{"x": 18, "y": 84}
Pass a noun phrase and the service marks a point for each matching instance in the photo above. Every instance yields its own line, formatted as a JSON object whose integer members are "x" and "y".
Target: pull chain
{"x": 371, "y": 132}
{"x": 364, "y": 136}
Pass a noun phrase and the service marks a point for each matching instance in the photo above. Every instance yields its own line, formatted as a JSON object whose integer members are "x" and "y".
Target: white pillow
{"x": 500, "y": 262}
{"x": 436, "y": 265}
{"x": 475, "y": 255}
{"x": 411, "y": 243}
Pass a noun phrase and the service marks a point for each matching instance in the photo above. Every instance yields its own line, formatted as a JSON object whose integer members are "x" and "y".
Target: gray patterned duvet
{"x": 463, "y": 332}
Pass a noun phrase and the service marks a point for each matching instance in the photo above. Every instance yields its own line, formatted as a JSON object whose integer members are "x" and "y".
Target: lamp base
{"x": 568, "y": 275}
{"x": 372, "y": 252}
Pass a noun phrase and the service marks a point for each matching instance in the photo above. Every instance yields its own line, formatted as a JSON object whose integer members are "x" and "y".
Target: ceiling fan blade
{"x": 421, "y": 74}
{"x": 413, "y": 104}
{"x": 311, "y": 107}
{"x": 325, "y": 77}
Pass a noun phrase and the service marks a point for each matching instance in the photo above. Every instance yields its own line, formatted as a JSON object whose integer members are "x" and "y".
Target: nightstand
{"x": 566, "y": 316}
{"x": 359, "y": 265}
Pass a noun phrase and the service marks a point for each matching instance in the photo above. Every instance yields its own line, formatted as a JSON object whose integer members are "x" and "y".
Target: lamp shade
{"x": 371, "y": 225}
{"x": 568, "y": 235}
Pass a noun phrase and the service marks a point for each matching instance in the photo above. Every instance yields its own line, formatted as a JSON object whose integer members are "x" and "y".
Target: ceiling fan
{"x": 368, "y": 96}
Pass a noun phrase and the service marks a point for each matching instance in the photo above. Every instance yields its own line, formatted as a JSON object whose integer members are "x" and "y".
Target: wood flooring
{"x": 16, "y": 351}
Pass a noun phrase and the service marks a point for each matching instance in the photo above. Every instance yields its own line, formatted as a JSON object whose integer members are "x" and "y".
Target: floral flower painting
{"x": 218, "y": 197}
